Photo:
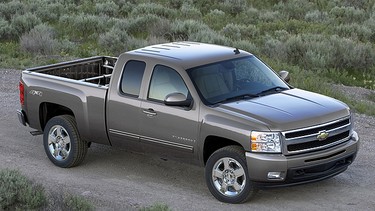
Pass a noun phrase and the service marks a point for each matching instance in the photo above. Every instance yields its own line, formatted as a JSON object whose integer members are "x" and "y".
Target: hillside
{"x": 319, "y": 41}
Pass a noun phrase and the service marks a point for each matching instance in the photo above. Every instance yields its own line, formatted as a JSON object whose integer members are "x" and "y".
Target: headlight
{"x": 265, "y": 142}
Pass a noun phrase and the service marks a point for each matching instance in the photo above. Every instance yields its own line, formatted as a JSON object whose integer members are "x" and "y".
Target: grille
{"x": 305, "y": 140}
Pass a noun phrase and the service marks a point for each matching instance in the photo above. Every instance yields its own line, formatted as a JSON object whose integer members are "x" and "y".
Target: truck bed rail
{"x": 96, "y": 70}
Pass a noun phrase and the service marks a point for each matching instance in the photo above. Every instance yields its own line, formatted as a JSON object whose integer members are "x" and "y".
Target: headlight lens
{"x": 265, "y": 142}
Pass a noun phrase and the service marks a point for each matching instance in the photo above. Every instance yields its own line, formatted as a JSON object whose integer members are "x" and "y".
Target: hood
{"x": 290, "y": 109}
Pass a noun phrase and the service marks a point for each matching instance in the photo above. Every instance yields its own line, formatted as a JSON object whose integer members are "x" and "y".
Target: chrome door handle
{"x": 149, "y": 112}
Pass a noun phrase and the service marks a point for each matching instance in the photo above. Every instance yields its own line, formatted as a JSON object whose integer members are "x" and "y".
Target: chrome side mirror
{"x": 284, "y": 75}
{"x": 177, "y": 99}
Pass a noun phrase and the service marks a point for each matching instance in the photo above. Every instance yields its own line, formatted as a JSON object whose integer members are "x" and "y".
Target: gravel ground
{"x": 114, "y": 179}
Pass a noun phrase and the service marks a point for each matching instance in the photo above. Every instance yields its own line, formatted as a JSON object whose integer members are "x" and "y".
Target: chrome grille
{"x": 305, "y": 139}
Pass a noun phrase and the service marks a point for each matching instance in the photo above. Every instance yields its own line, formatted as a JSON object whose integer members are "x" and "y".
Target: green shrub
{"x": 83, "y": 26}
{"x": 153, "y": 8}
{"x": 233, "y": 7}
{"x": 12, "y": 8}
{"x": 77, "y": 203}
{"x": 182, "y": 30}
{"x": 190, "y": 12}
{"x": 270, "y": 16}
{"x": 232, "y": 31}
{"x": 274, "y": 49}
{"x": 348, "y": 14}
{"x": 316, "y": 16}
{"x": 249, "y": 16}
{"x": 246, "y": 45}
{"x": 17, "y": 192}
{"x": 117, "y": 41}
{"x": 354, "y": 31}
{"x": 294, "y": 9}
{"x": 216, "y": 19}
{"x": 143, "y": 25}
{"x": 108, "y": 8}
{"x": 209, "y": 36}
{"x": 39, "y": 40}
{"x": 24, "y": 23}
{"x": 49, "y": 12}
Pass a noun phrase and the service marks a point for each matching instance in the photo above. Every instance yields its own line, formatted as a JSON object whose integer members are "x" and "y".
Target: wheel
{"x": 62, "y": 142}
{"x": 227, "y": 176}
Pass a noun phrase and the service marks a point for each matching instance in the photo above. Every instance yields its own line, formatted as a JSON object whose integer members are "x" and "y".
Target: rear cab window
{"x": 131, "y": 79}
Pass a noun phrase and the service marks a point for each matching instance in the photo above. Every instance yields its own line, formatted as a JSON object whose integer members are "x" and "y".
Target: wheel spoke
{"x": 66, "y": 140}
{"x": 237, "y": 186}
{"x": 226, "y": 163}
{"x": 224, "y": 187}
{"x": 64, "y": 153}
{"x": 52, "y": 138}
{"x": 58, "y": 131}
{"x": 239, "y": 172}
{"x": 217, "y": 173}
{"x": 56, "y": 152}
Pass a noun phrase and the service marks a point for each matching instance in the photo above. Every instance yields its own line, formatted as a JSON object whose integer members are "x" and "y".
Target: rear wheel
{"x": 227, "y": 176}
{"x": 62, "y": 142}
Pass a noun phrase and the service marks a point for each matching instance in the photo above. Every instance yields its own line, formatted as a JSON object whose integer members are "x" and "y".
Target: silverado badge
{"x": 323, "y": 135}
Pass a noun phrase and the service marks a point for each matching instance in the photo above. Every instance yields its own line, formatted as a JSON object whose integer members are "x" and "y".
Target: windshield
{"x": 234, "y": 79}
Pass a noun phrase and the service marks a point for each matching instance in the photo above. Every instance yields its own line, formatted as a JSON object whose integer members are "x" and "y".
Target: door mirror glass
{"x": 177, "y": 99}
{"x": 284, "y": 75}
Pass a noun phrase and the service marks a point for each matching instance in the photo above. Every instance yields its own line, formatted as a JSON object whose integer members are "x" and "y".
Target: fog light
{"x": 274, "y": 175}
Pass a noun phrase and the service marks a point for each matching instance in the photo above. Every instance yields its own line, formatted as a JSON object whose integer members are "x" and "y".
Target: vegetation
{"x": 319, "y": 41}
{"x": 19, "y": 193}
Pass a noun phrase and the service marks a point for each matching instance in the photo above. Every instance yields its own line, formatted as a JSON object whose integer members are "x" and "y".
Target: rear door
{"x": 169, "y": 131}
{"x": 123, "y": 107}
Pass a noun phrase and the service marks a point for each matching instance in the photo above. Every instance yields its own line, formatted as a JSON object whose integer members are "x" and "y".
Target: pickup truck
{"x": 209, "y": 105}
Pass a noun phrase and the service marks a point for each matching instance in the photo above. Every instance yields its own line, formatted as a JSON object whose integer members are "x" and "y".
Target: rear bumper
{"x": 22, "y": 117}
{"x": 300, "y": 169}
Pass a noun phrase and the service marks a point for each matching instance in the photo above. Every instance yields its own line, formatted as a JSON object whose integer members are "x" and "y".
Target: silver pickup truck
{"x": 209, "y": 105}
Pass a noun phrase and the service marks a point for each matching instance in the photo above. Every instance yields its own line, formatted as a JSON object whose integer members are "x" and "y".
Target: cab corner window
{"x": 132, "y": 77}
{"x": 165, "y": 81}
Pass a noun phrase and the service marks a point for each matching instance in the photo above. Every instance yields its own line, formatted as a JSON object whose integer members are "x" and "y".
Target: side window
{"x": 132, "y": 77}
{"x": 165, "y": 81}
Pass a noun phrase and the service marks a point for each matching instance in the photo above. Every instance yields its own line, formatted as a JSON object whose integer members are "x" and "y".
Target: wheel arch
{"x": 213, "y": 143}
{"x": 49, "y": 110}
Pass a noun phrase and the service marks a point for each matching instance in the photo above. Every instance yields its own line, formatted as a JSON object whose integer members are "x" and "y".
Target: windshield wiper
{"x": 239, "y": 97}
{"x": 273, "y": 89}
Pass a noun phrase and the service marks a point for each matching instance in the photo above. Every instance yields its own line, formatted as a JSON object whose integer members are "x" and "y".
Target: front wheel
{"x": 227, "y": 176}
{"x": 62, "y": 142}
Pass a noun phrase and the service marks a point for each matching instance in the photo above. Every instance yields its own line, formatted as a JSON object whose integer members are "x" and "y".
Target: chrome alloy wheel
{"x": 59, "y": 142}
{"x": 228, "y": 177}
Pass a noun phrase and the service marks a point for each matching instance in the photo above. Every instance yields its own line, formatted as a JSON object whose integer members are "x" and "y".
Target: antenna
{"x": 236, "y": 51}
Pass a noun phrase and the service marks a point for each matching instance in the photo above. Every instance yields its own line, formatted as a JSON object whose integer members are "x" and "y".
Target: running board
{"x": 36, "y": 133}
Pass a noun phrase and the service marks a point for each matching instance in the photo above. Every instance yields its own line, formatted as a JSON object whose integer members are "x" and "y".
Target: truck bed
{"x": 97, "y": 70}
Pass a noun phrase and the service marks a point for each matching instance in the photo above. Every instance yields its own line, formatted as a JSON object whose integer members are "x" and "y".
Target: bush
{"x": 294, "y": 9}
{"x": 348, "y": 14}
{"x": 108, "y": 8}
{"x": 354, "y": 31}
{"x": 39, "y": 40}
{"x": 153, "y": 8}
{"x": 190, "y": 12}
{"x": 24, "y": 23}
{"x": 12, "y": 8}
{"x": 117, "y": 41}
{"x": 232, "y": 31}
{"x": 246, "y": 45}
{"x": 216, "y": 19}
{"x": 49, "y": 12}
{"x": 83, "y": 26}
{"x": 233, "y": 7}
{"x": 316, "y": 16}
{"x": 182, "y": 30}
{"x": 17, "y": 192}
{"x": 209, "y": 36}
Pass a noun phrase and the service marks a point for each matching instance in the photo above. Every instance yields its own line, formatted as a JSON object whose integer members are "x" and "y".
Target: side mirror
{"x": 177, "y": 99}
{"x": 284, "y": 75}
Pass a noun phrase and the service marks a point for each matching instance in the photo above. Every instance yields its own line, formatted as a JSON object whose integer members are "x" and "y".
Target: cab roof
{"x": 190, "y": 54}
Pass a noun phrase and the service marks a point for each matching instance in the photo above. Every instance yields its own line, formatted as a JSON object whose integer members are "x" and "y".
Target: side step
{"x": 36, "y": 133}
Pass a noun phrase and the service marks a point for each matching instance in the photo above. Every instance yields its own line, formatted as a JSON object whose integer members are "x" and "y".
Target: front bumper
{"x": 304, "y": 168}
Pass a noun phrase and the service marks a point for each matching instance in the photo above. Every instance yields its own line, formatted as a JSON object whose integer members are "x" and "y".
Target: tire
{"x": 227, "y": 176}
{"x": 62, "y": 142}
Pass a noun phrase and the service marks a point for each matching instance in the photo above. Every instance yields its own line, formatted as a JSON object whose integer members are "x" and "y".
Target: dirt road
{"x": 118, "y": 180}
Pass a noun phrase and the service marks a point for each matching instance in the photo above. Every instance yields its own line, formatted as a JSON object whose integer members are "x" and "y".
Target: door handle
{"x": 149, "y": 112}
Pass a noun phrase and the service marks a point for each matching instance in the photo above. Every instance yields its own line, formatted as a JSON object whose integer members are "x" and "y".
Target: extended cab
{"x": 210, "y": 105}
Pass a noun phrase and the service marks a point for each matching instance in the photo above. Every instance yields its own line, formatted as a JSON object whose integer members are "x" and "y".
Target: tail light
{"x": 22, "y": 93}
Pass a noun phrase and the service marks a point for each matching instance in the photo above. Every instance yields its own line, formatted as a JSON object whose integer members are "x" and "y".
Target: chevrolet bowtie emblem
{"x": 323, "y": 135}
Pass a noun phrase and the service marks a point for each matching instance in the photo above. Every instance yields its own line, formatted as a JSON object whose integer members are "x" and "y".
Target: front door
{"x": 169, "y": 131}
